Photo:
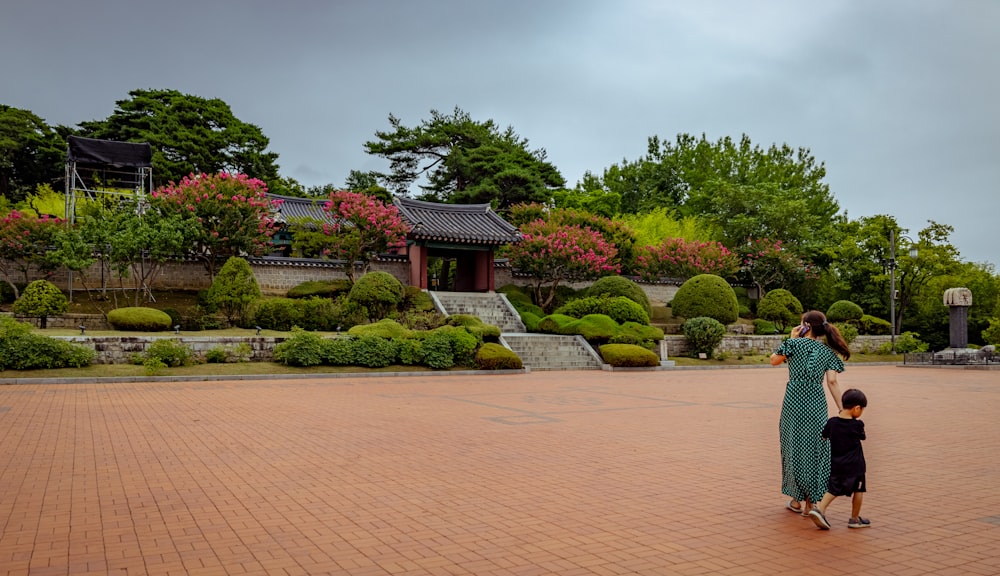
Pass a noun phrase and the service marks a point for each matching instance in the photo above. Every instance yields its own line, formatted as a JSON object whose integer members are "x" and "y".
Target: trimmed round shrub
{"x": 338, "y": 351}
{"x": 233, "y": 290}
{"x": 375, "y": 352}
{"x": 704, "y": 334}
{"x": 635, "y": 333}
{"x": 621, "y": 308}
{"x": 437, "y": 350}
{"x": 763, "y": 327}
{"x": 492, "y": 356}
{"x": 411, "y": 352}
{"x": 417, "y": 300}
{"x": 170, "y": 352}
{"x": 621, "y": 286}
{"x": 706, "y": 295}
{"x": 379, "y": 292}
{"x": 139, "y": 319}
{"x": 384, "y": 328}
{"x": 781, "y": 307}
{"x": 300, "y": 349}
{"x": 553, "y": 323}
{"x": 844, "y": 311}
{"x": 277, "y": 314}
{"x": 481, "y": 330}
{"x": 322, "y": 288}
{"x": 593, "y": 327}
{"x": 41, "y": 299}
{"x": 628, "y": 355}
{"x": 874, "y": 326}
{"x": 317, "y": 313}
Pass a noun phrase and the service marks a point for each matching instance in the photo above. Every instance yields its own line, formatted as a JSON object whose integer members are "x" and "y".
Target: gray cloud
{"x": 897, "y": 97}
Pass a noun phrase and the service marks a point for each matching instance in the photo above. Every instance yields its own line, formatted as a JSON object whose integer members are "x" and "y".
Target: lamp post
{"x": 892, "y": 284}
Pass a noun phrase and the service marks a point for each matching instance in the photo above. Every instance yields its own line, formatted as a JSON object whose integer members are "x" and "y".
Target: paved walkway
{"x": 574, "y": 473}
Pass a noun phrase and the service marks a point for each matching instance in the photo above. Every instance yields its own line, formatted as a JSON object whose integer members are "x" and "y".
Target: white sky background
{"x": 897, "y": 97}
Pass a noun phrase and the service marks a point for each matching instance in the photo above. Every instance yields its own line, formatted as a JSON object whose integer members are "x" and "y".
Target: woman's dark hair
{"x": 820, "y": 327}
{"x": 852, "y": 398}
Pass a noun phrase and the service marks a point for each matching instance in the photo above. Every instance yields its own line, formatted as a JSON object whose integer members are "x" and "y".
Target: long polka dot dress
{"x": 805, "y": 456}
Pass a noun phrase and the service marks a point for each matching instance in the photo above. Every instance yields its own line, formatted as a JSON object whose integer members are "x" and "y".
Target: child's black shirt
{"x": 846, "y": 455}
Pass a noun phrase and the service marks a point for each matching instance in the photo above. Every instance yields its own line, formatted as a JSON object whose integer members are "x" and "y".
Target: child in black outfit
{"x": 847, "y": 460}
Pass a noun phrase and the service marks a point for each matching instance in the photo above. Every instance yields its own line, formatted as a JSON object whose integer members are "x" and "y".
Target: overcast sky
{"x": 897, "y": 97}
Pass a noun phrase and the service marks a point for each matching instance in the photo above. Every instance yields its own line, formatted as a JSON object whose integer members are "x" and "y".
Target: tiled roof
{"x": 294, "y": 207}
{"x": 457, "y": 223}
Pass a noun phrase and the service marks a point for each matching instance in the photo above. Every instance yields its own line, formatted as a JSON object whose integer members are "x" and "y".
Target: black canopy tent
{"x": 93, "y": 167}
{"x": 121, "y": 171}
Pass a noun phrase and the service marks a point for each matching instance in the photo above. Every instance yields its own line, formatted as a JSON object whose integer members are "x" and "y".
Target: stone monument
{"x": 958, "y": 301}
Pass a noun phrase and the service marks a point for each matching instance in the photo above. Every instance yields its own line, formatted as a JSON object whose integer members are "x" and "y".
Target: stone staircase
{"x": 552, "y": 351}
{"x": 491, "y": 307}
{"x": 537, "y": 351}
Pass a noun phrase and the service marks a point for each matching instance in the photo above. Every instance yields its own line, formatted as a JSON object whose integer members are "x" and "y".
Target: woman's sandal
{"x": 794, "y": 508}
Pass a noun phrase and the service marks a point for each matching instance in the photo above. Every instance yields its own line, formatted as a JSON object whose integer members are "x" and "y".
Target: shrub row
{"x": 21, "y": 349}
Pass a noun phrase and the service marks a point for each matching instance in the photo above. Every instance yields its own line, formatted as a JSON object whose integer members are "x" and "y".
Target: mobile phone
{"x": 803, "y": 329}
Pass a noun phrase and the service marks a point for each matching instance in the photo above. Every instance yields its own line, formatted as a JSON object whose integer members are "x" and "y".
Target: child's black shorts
{"x": 845, "y": 485}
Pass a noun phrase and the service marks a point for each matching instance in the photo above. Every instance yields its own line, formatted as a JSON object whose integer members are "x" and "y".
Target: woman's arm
{"x": 777, "y": 359}
{"x": 834, "y": 386}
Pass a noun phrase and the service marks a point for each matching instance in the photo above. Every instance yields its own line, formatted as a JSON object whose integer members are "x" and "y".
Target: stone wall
{"x": 120, "y": 349}
{"x": 748, "y": 344}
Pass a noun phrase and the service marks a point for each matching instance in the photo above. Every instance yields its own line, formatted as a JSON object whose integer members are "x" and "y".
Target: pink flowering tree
{"x": 551, "y": 253}
{"x": 362, "y": 228}
{"x": 233, "y": 214}
{"x": 26, "y": 240}
{"x": 770, "y": 264}
{"x": 679, "y": 258}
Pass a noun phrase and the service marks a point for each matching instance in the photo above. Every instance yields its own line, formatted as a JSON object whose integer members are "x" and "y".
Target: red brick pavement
{"x": 578, "y": 473}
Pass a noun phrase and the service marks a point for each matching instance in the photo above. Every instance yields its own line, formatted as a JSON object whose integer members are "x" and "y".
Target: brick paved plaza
{"x": 672, "y": 472}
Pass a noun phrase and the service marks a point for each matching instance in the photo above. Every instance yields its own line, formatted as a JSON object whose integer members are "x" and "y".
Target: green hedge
{"x": 139, "y": 319}
{"x": 492, "y": 356}
{"x": 628, "y": 355}
{"x": 610, "y": 286}
{"x": 322, "y": 288}
{"x": 21, "y": 349}
{"x": 621, "y": 308}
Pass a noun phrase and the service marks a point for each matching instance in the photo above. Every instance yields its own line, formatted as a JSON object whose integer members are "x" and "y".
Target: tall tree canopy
{"x": 743, "y": 190}
{"x": 31, "y": 153}
{"x": 464, "y": 161}
{"x": 188, "y": 135}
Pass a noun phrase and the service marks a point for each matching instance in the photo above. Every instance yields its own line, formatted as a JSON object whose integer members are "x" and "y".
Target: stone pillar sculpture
{"x": 958, "y": 301}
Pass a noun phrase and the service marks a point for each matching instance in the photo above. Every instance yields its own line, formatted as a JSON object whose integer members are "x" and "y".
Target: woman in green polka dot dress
{"x": 812, "y": 354}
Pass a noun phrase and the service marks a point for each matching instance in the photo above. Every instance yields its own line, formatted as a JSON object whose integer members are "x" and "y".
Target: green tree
{"x": 780, "y": 307}
{"x": 25, "y": 241}
{"x": 188, "y": 135}
{"x": 464, "y": 161}
{"x": 234, "y": 290}
{"x": 41, "y": 299}
{"x": 31, "y": 153}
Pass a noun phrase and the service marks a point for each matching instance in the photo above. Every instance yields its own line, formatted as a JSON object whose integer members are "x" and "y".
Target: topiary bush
{"x": 635, "y": 333}
{"x": 374, "y": 351}
{"x": 764, "y": 327}
{"x": 628, "y": 355}
{"x": 553, "y": 323}
{"x": 321, "y": 288}
{"x": 411, "y": 352}
{"x": 300, "y": 349}
{"x": 277, "y": 314}
{"x": 593, "y": 327}
{"x": 844, "y": 311}
{"x": 493, "y": 356}
{"x": 339, "y": 351}
{"x": 379, "y": 292}
{"x": 621, "y": 286}
{"x": 384, "y": 328}
{"x": 481, "y": 330}
{"x": 704, "y": 334}
{"x": 168, "y": 352}
{"x": 620, "y": 308}
{"x": 874, "y": 326}
{"x": 437, "y": 350}
{"x": 233, "y": 290}
{"x": 41, "y": 299}
{"x": 706, "y": 295}
{"x": 780, "y": 307}
{"x": 139, "y": 319}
